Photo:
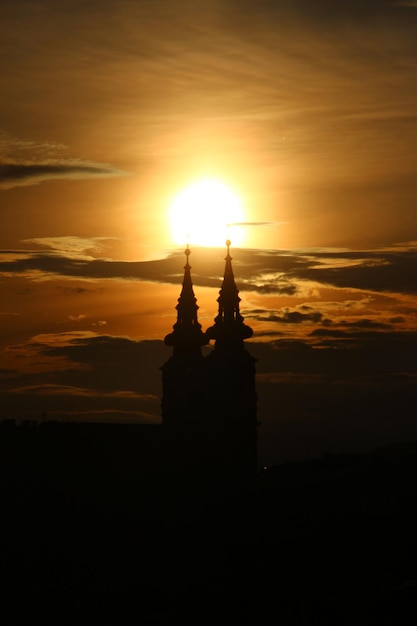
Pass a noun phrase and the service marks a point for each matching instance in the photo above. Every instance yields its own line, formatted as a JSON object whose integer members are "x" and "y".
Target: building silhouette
{"x": 209, "y": 401}
{"x": 205, "y": 446}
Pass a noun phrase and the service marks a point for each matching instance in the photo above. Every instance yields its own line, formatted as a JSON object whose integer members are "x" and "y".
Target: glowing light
{"x": 206, "y": 213}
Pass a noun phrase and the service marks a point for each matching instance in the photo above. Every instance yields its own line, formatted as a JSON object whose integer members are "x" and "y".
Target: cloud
{"x": 282, "y": 272}
{"x": 82, "y": 374}
{"x": 366, "y": 323}
{"x": 280, "y": 286}
{"x": 384, "y": 270}
{"x": 304, "y": 314}
{"x": 26, "y": 162}
{"x": 72, "y": 245}
{"x": 102, "y": 362}
{"x": 14, "y": 148}
{"x": 70, "y": 391}
{"x": 77, "y": 318}
{"x": 13, "y": 174}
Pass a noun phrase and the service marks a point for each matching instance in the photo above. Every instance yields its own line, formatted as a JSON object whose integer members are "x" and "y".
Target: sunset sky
{"x": 306, "y": 111}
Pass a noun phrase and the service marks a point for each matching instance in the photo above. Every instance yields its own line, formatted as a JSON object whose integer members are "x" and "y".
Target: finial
{"x": 228, "y": 244}
{"x": 187, "y": 252}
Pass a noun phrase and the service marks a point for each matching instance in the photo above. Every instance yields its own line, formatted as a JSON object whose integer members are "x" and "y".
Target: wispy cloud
{"x": 23, "y": 149}
{"x": 70, "y": 391}
{"x": 24, "y": 161}
{"x": 15, "y": 174}
{"x": 71, "y": 245}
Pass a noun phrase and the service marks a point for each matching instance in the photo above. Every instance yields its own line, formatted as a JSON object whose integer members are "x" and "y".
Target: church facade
{"x": 209, "y": 401}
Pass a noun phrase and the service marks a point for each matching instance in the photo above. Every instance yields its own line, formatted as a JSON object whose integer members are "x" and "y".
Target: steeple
{"x": 209, "y": 402}
{"x": 229, "y": 329}
{"x": 187, "y": 336}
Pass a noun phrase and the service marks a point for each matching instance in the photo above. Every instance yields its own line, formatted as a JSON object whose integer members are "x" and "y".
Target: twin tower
{"x": 209, "y": 402}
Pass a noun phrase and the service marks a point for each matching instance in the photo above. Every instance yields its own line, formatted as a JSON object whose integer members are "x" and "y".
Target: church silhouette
{"x": 209, "y": 402}
{"x": 206, "y": 445}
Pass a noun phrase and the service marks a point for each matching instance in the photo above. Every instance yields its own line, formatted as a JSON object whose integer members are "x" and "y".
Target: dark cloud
{"x": 113, "y": 375}
{"x": 52, "y": 263}
{"x": 17, "y": 174}
{"x": 352, "y": 392}
{"x": 291, "y": 317}
{"x": 386, "y": 270}
{"x": 378, "y": 270}
{"x": 365, "y": 323}
{"x": 374, "y": 271}
{"x": 76, "y": 290}
{"x": 360, "y": 354}
{"x": 396, "y": 320}
{"x": 207, "y": 268}
{"x": 328, "y": 327}
{"x": 282, "y": 287}
{"x": 267, "y": 272}
{"x": 113, "y": 363}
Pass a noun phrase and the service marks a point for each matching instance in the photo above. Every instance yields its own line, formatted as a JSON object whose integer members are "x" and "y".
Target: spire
{"x": 228, "y": 325}
{"x": 187, "y": 336}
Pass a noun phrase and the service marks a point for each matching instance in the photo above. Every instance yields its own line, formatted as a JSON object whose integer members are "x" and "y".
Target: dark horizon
{"x": 309, "y": 400}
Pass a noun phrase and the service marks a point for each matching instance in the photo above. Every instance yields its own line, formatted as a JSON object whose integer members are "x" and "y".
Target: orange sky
{"x": 108, "y": 110}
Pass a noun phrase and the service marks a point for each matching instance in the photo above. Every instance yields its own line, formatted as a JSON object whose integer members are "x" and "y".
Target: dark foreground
{"x": 331, "y": 541}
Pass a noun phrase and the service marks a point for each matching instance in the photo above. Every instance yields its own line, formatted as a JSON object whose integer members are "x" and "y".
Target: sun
{"x": 206, "y": 213}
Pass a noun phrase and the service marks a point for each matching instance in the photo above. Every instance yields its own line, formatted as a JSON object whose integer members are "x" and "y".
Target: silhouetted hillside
{"x": 93, "y": 531}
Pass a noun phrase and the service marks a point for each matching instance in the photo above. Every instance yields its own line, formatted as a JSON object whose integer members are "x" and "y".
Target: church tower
{"x": 232, "y": 373}
{"x": 183, "y": 375}
{"x": 209, "y": 403}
